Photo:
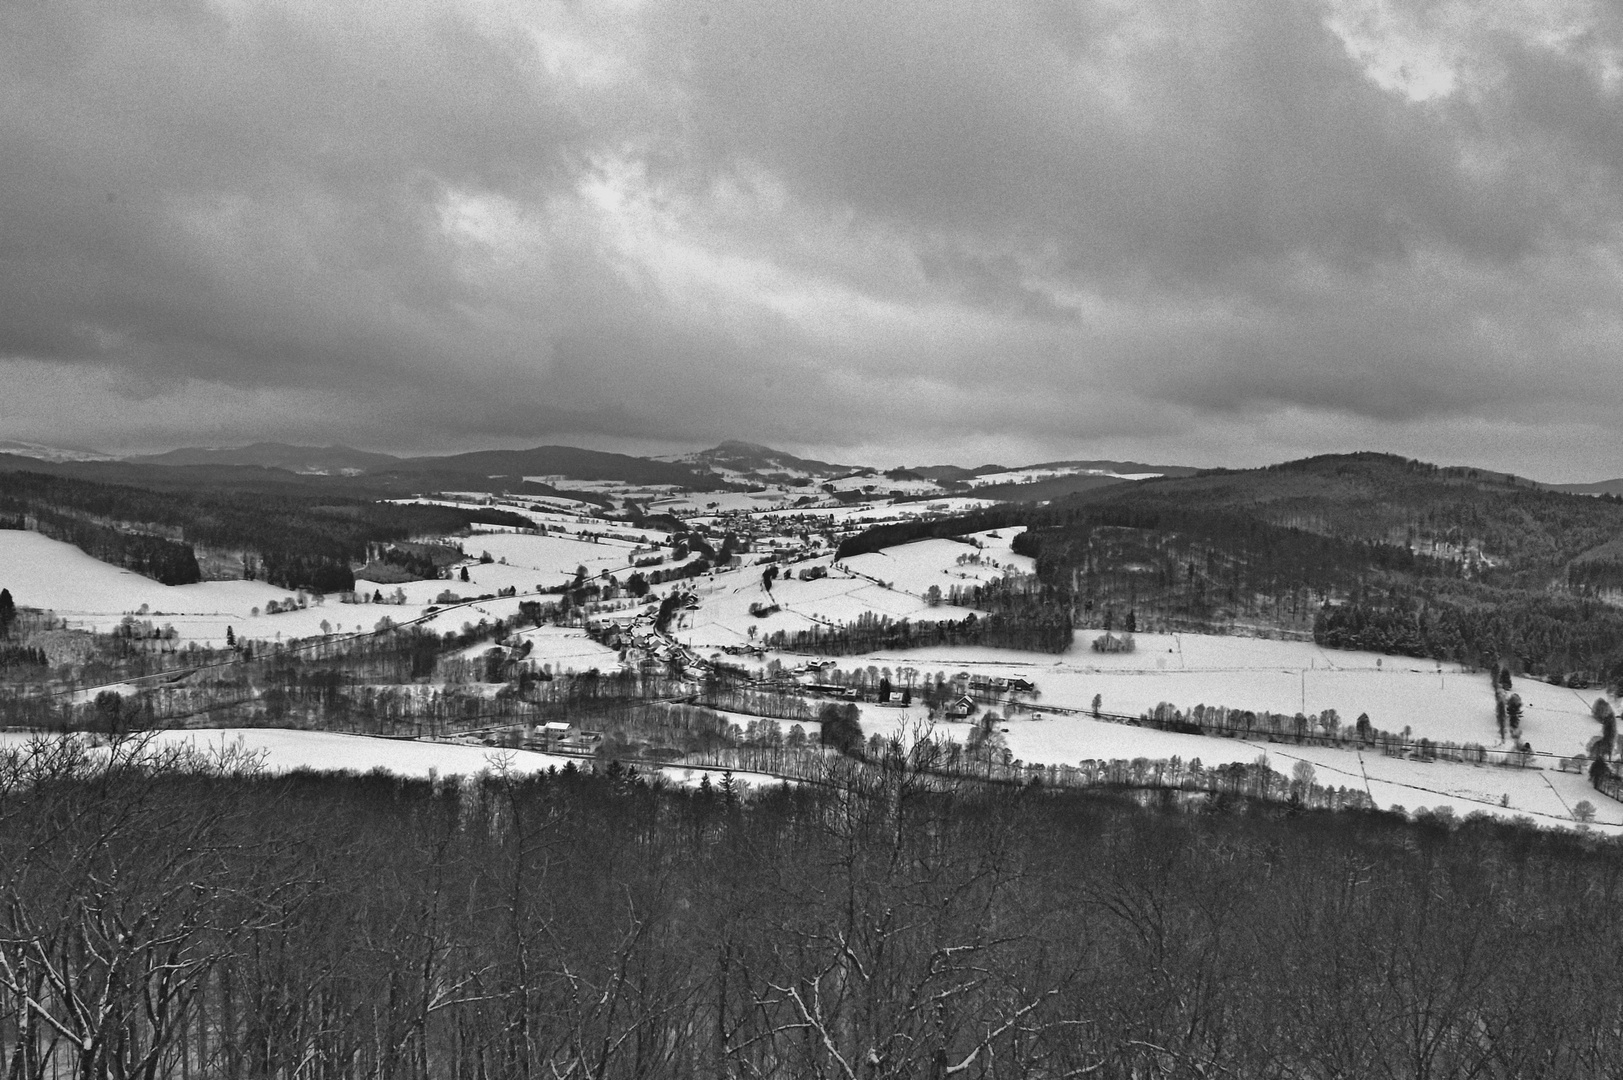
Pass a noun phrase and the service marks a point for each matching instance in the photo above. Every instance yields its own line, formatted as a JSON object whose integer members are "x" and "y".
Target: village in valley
{"x": 689, "y": 632}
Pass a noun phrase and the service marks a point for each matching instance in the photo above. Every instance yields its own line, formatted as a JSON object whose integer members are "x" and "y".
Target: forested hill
{"x": 1380, "y": 498}
{"x": 582, "y": 925}
{"x": 745, "y": 457}
{"x": 270, "y": 455}
{"x": 500, "y": 470}
{"x": 1362, "y": 551}
{"x": 291, "y": 539}
{"x": 570, "y": 461}
{"x": 342, "y": 468}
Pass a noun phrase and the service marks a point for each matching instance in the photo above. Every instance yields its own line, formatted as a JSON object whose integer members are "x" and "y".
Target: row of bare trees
{"x": 177, "y": 917}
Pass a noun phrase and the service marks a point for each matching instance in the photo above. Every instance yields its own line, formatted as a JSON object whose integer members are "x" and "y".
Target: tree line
{"x": 1571, "y": 638}
{"x": 880, "y": 537}
{"x": 1040, "y": 629}
{"x": 167, "y": 561}
{"x": 1276, "y": 549}
{"x": 939, "y": 764}
{"x": 289, "y": 540}
{"x": 1327, "y": 729}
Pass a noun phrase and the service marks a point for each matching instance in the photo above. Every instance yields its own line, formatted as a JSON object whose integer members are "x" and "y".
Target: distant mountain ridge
{"x": 743, "y": 459}
{"x": 308, "y": 460}
{"x": 50, "y": 453}
{"x": 732, "y": 464}
{"x": 567, "y": 461}
{"x": 1599, "y": 487}
{"x": 514, "y": 465}
{"x": 729, "y": 463}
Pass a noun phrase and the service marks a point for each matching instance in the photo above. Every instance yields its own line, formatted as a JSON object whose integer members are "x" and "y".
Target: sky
{"x": 1209, "y": 232}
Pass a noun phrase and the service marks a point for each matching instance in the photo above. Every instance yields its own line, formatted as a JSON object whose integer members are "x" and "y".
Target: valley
{"x": 781, "y": 588}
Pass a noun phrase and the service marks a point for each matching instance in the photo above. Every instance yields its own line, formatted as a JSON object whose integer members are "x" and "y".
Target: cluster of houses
{"x": 751, "y": 535}
{"x": 559, "y": 737}
{"x": 997, "y": 685}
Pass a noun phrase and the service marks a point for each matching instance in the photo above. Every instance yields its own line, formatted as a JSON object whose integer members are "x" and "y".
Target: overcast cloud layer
{"x": 1207, "y": 232}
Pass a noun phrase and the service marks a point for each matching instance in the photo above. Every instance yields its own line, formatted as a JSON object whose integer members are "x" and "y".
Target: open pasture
{"x": 1447, "y": 704}
{"x": 879, "y": 511}
{"x": 915, "y": 567}
{"x": 850, "y": 590}
{"x": 93, "y": 595}
{"x": 564, "y": 648}
{"x": 1546, "y": 795}
{"x": 723, "y": 616}
{"x": 286, "y": 749}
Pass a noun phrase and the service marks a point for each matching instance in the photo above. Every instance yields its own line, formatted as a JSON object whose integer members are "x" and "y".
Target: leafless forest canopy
{"x": 171, "y": 917}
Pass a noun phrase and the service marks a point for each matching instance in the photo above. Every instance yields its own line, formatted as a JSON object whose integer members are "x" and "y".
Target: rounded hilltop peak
{"x": 1364, "y": 458}
{"x": 764, "y": 461}
{"x": 1374, "y": 464}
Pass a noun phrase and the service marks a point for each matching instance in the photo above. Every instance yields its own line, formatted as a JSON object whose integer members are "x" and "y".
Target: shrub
{"x": 1114, "y": 643}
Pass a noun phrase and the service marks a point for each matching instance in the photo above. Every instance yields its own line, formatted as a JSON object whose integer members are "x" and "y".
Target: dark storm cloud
{"x": 1179, "y": 140}
{"x": 827, "y": 224}
{"x": 202, "y": 194}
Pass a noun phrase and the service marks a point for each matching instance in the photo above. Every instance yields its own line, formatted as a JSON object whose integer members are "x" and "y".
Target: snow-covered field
{"x": 691, "y": 504}
{"x": 92, "y": 595}
{"x": 851, "y": 589}
{"x": 1428, "y": 700}
{"x": 723, "y": 616}
{"x": 552, "y": 557}
{"x": 88, "y": 593}
{"x": 878, "y": 484}
{"x": 532, "y": 562}
{"x": 882, "y": 510}
{"x": 565, "y": 648}
{"x": 1287, "y": 677}
{"x": 557, "y": 515}
{"x": 1546, "y": 795}
{"x": 1419, "y": 698}
{"x": 285, "y": 749}
{"x": 1032, "y": 474}
{"x": 917, "y": 566}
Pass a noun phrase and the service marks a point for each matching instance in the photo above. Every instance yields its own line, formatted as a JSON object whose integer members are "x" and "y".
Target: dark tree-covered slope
{"x": 1057, "y": 487}
{"x": 298, "y": 459}
{"x": 1386, "y": 499}
{"x": 295, "y": 539}
{"x": 589, "y": 925}
{"x": 569, "y": 461}
{"x": 340, "y": 468}
{"x": 763, "y": 461}
{"x": 1360, "y": 551}
{"x": 1363, "y": 550}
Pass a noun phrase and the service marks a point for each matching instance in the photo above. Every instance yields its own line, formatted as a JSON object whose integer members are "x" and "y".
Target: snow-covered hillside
{"x": 732, "y": 608}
